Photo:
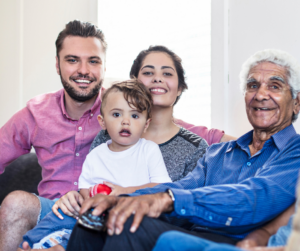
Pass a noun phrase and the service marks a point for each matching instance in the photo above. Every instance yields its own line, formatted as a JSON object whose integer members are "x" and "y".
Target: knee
{"x": 19, "y": 201}
{"x": 168, "y": 240}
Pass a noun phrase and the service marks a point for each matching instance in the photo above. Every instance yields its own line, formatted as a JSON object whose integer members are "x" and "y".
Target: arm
{"x": 15, "y": 137}
{"x": 118, "y": 190}
{"x": 85, "y": 193}
{"x": 260, "y": 237}
{"x": 226, "y": 138}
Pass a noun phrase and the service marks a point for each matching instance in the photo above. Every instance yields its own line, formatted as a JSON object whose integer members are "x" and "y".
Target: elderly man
{"x": 236, "y": 187}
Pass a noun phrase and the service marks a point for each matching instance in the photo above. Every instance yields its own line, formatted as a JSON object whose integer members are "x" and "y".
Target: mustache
{"x": 87, "y": 77}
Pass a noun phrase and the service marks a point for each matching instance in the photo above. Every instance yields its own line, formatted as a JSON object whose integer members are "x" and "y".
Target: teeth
{"x": 264, "y": 109}
{"x": 158, "y": 90}
{"x": 82, "y": 81}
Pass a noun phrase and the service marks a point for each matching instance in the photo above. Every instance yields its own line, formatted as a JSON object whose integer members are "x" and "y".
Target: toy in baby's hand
{"x": 100, "y": 188}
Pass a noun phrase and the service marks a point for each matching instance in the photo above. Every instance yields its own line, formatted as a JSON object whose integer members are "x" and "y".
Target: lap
{"x": 45, "y": 206}
{"x": 143, "y": 239}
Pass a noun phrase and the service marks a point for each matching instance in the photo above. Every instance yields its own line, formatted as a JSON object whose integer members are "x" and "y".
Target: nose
{"x": 157, "y": 78}
{"x": 83, "y": 68}
{"x": 262, "y": 93}
{"x": 125, "y": 121}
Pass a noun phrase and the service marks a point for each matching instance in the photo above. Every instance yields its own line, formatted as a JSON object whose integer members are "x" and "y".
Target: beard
{"x": 78, "y": 95}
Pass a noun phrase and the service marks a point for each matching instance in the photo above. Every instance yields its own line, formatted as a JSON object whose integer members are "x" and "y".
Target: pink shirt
{"x": 61, "y": 144}
{"x": 210, "y": 135}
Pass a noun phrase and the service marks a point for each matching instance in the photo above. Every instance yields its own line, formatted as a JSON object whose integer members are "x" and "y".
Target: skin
{"x": 80, "y": 59}
{"x": 265, "y": 91}
{"x": 79, "y": 56}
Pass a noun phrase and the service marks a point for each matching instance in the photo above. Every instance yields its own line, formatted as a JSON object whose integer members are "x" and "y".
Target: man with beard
{"x": 59, "y": 125}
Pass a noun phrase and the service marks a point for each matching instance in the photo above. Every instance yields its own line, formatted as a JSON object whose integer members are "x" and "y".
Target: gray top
{"x": 180, "y": 153}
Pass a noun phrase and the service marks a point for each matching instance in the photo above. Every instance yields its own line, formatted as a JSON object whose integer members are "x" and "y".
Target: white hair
{"x": 277, "y": 57}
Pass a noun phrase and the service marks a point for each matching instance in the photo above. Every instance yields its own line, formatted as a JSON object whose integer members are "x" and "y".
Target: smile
{"x": 84, "y": 81}
{"x": 263, "y": 109}
{"x": 158, "y": 90}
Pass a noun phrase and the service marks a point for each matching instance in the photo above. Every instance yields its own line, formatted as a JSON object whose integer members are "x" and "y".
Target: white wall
{"x": 29, "y": 29}
{"x": 239, "y": 29}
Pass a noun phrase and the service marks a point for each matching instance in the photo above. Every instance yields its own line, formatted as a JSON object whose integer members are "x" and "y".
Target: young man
{"x": 60, "y": 126}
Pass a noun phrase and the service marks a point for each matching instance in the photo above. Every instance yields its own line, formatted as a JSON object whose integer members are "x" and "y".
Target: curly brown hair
{"x": 135, "y": 93}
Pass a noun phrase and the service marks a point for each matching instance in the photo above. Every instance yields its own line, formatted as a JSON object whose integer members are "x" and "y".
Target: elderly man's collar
{"x": 280, "y": 139}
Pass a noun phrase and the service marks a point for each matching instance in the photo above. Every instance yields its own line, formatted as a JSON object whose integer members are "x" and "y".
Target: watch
{"x": 170, "y": 193}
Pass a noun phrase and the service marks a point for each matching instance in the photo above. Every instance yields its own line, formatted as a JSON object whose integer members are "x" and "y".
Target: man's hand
{"x": 258, "y": 238}
{"x": 69, "y": 204}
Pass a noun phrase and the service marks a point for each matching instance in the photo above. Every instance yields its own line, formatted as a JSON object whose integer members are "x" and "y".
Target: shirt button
{"x": 248, "y": 163}
{"x": 92, "y": 114}
{"x": 210, "y": 217}
{"x": 182, "y": 211}
{"x": 75, "y": 183}
{"x": 79, "y": 128}
{"x": 77, "y": 154}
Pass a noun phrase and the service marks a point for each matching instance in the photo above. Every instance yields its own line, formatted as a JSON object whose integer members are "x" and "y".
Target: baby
{"x": 126, "y": 162}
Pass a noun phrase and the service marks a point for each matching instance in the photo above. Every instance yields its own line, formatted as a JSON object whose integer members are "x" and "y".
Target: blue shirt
{"x": 231, "y": 192}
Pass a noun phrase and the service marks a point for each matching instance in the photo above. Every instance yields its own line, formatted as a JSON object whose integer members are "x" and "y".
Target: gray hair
{"x": 277, "y": 57}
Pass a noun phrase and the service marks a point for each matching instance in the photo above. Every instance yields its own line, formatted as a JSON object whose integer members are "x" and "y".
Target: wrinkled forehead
{"x": 265, "y": 71}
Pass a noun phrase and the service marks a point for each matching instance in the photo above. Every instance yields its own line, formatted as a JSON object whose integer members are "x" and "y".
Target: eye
{"x": 168, "y": 74}
{"x": 252, "y": 86}
{"x": 275, "y": 87}
{"x": 147, "y": 73}
{"x": 135, "y": 116}
{"x": 116, "y": 114}
{"x": 94, "y": 62}
{"x": 72, "y": 60}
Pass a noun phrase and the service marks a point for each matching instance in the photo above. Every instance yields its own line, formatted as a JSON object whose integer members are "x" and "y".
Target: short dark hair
{"x": 137, "y": 64}
{"x": 135, "y": 93}
{"x": 80, "y": 29}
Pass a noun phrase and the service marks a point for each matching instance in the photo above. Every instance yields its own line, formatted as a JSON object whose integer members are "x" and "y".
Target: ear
{"x": 57, "y": 65}
{"x": 296, "y": 104}
{"x": 179, "y": 92}
{"x": 147, "y": 125}
{"x": 101, "y": 122}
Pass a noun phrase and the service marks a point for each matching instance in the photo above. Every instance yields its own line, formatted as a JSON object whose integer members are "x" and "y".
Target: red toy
{"x": 100, "y": 188}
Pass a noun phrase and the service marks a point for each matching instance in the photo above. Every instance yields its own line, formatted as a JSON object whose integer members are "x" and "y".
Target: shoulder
{"x": 191, "y": 138}
{"x": 100, "y": 138}
{"x": 210, "y": 135}
{"x": 46, "y": 99}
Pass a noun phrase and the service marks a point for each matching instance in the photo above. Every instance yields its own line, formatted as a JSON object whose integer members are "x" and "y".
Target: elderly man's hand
{"x": 123, "y": 207}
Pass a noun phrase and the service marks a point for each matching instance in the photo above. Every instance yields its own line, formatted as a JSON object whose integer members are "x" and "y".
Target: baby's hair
{"x": 135, "y": 93}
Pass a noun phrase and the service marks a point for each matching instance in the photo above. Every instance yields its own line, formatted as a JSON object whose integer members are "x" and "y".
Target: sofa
{"x": 23, "y": 173}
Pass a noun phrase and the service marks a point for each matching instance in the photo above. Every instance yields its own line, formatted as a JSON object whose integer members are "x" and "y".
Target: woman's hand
{"x": 117, "y": 190}
{"x": 69, "y": 204}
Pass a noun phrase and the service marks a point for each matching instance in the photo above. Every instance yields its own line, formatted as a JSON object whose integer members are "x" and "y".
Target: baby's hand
{"x": 69, "y": 204}
{"x": 117, "y": 190}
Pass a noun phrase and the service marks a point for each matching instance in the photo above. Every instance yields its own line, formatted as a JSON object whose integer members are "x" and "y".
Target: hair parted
{"x": 277, "y": 57}
{"x": 135, "y": 94}
{"x": 80, "y": 29}
{"x": 137, "y": 64}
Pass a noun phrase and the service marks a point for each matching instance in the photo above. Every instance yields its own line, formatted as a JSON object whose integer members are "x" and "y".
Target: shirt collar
{"x": 93, "y": 110}
{"x": 280, "y": 139}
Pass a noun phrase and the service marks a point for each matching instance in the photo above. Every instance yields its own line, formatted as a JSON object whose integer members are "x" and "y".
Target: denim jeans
{"x": 49, "y": 224}
{"x": 177, "y": 241}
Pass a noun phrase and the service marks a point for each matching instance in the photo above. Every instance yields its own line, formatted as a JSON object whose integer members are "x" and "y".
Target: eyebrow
{"x": 251, "y": 80}
{"x": 76, "y": 57}
{"x": 163, "y": 67}
{"x": 278, "y": 78}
